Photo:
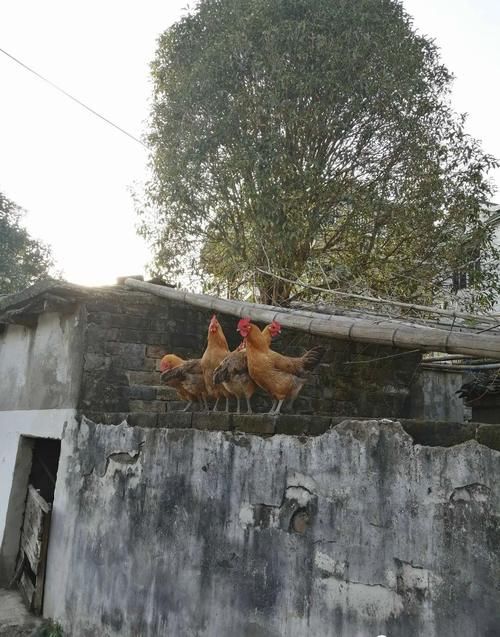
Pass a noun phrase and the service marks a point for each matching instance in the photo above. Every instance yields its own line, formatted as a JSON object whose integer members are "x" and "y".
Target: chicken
{"x": 281, "y": 376}
{"x": 186, "y": 377}
{"x": 233, "y": 371}
{"x": 171, "y": 361}
{"x": 215, "y": 352}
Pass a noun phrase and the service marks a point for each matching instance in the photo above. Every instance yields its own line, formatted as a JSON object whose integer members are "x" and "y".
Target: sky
{"x": 73, "y": 173}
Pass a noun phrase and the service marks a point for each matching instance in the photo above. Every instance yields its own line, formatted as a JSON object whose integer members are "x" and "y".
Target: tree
{"x": 23, "y": 260}
{"x": 311, "y": 138}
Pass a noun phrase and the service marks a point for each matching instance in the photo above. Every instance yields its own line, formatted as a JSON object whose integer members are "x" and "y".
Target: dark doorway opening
{"x": 46, "y": 452}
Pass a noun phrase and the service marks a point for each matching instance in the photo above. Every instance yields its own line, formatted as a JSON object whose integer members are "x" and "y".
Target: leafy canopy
{"x": 23, "y": 260}
{"x": 312, "y": 138}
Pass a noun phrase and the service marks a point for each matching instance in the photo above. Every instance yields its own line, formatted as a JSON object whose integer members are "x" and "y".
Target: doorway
{"x": 33, "y": 544}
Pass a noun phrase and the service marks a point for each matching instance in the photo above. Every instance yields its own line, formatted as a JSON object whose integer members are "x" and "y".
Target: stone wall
{"x": 128, "y": 333}
{"x": 487, "y": 408}
{"x": 357, "y": 531}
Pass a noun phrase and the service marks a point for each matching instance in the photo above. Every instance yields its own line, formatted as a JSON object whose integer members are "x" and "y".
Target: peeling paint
{"x": 359, "y": 532}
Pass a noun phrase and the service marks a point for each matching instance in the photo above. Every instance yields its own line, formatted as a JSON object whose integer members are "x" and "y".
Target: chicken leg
{"x": 276, "y": 410}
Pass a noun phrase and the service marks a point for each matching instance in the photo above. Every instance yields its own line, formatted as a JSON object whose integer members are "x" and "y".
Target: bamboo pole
{"x": 383, "y": 332}
{"x": 450, "y": 368}
{"x": 484, "y": 318}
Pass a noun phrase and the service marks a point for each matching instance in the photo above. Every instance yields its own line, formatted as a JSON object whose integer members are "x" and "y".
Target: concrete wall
{"x": 40, "y": 367}
{"x": 432, "y": 396}
{"x": 40, "y": 378}
{"x": 353, "y": 533}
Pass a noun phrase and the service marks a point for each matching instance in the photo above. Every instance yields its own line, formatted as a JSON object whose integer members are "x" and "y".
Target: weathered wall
{"x": 40, "y": 378}
{"x": 433, "y": 397}
{"x": 486, "y": 409}
{"x": 128, "y": 333}
{"x": 354, "y": 533}
{"x": 40, "y": 367}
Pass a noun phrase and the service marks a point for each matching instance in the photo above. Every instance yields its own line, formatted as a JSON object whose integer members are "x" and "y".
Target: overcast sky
{"x": 72, "y": 172}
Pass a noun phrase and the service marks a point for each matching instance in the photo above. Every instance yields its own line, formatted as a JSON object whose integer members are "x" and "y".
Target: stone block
{"x": 212, "y": 421}
{"x": 154, "y": 405}
{"x": 107, "y": 418}
{"x": 489, "y": 435}
{"x": 317, "y": 425}
{"x": 95, "y": 361}
{"x": 176, "y": 420}
{"x": 291, "y": 424}
{"x": 142, "y": 392}
{"x": 129, "y": 335}
{"x": 143, "y": 378}
{"x": 104, "y": 390}
{"x": 156, "y": 351}
{"x": 127, "y": 355}
{"x": 97, "y": 337}
{"x": 255, "y": 424}
{"x": 144, "y": 419}
{"x": 149, "y": 365}
{"x": 175, "y": 405}
{"x": 104, "y": 319}
{"x": 439, "y": 434}
{"x": 166, "y": 393}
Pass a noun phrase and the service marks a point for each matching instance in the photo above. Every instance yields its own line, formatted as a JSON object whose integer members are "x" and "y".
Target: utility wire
{"x": 58, "y": 88}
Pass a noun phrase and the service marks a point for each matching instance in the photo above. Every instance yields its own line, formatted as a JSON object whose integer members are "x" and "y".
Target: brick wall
{"x": 127, "y": 333}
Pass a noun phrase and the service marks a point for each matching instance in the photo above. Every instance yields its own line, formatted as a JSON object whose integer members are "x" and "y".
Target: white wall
{"x": 41, "y": 367}
{"x": 433, "y": 396}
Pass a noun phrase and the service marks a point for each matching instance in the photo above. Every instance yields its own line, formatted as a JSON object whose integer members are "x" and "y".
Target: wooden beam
{"x": 377, "y": 331}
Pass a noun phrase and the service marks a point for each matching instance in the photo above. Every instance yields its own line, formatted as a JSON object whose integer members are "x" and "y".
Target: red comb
{"x": 243, "y": 322}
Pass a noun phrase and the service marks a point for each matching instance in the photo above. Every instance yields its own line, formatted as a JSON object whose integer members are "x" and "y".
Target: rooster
{"x": 233, "y": 371}
{"x": 215, "y": 352}
{"x": 281, "y": 376}
{"x": 186, "y": 377}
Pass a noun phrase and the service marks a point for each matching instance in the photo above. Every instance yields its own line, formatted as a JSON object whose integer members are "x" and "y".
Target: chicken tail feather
{"x": 220, "y": 374}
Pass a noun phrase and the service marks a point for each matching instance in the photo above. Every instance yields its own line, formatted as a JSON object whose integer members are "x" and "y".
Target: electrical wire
{"x": 61, "y": 90}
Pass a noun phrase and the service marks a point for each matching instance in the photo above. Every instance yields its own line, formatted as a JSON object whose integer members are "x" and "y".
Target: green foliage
{"x": 23, "y": 260}
{"x": 315, "y": 139}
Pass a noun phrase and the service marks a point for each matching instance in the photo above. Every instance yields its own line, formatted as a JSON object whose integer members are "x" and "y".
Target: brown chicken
{"x": 169, "y": 361}
{"x": 186, "y": 377}
{"x": 233, "y": 371}
{"x": 216, "y": 351}
{"x": 281, "y": 376}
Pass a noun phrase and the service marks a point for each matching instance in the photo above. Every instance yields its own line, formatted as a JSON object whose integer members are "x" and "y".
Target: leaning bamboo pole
{"x": 380, "y": 331}
{"x": 454, "y": 314}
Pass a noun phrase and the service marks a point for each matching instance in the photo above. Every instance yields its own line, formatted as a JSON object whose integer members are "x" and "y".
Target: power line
{"x": 61, "y": 90}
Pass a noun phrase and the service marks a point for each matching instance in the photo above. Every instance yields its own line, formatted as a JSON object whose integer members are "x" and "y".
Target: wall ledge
{"x": 422, "y": 432}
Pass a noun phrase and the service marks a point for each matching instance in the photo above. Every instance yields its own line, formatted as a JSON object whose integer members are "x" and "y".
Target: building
{"x": 349, "y": 517}
{"x": 459, "y": 283}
